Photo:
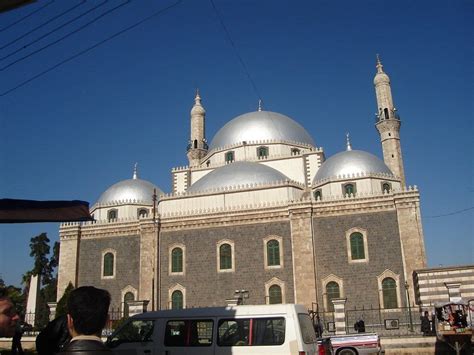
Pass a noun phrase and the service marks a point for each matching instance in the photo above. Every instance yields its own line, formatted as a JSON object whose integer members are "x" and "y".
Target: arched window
{"x": 386, "y": 187}
{"x": 112, "y": 215}
{"x": 332, "y": 292}
{"x": 349, "y": 189}
{"x": 142, "y": 213}
{"x": 108, "y": 265}
{"x": 195, "y": 143}
{"x": 389, "y": 293}
{"x": 273, "y": 253}
{"x": 274, "y": 295}
{"x": 318, "y": 195}
{"x": 295, "y": 151}
{"x": 225, "y": 257}
{"x": 177, "y": 260}
{"x": 229, "y": 157}
{"x": 128, "y": 297}
{"x": 357, "y": 246}
{"x": 262, "y": 152}
{"x": 208, "y": 163}
{"x": 385, "y": 111}
{"x": 177, "y": 300}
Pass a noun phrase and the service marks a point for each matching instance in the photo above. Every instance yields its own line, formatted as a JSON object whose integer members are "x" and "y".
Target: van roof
{"x": 230, "y": 311}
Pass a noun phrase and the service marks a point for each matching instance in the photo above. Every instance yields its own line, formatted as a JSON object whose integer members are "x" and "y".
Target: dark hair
{"x": 3, "y": 293}
{"x": 88, "y": 307}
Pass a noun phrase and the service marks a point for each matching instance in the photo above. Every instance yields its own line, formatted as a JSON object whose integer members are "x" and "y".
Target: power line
{"x": 451, "y": 213}
{"x": 25, "y": 17}
{"x": 236, "y": 51}
{"x": 41, "y": 25}
{"x": 67, "y": 35}
{"x": 159, "y": 12}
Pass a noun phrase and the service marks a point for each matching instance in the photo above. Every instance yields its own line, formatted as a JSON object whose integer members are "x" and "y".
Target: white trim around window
{"x": 176, "y": 287}
{"x": 325, "y": 281}
{"x": 265, "y": 252}
{"x": 380, "y": 278}
{"x": 218, "y": 254}
{"x": 270, "y": 283}
{"x": 170, "y": 259}
{"x": 114, "y": 272}
{"x": 349, "y": 249}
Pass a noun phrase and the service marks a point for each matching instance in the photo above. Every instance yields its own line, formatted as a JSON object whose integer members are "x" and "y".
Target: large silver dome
{"x": 130, "y": 190}
{"x": 238, "y": 173}
{"x": 351, "y": 162}
{"x": 258, "y": 126}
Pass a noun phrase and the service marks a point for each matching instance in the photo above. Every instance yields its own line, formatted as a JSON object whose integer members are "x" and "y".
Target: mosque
{"x": 260, "y": 212}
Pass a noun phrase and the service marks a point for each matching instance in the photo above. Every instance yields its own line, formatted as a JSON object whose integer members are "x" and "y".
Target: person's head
{"x": 87, "y": 310}
{"x": 426, "y": 313}
{"x": 8, "y": 315}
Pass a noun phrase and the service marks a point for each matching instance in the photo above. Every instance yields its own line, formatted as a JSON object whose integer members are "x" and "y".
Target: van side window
{"x": 233, "y": 332}
{"x": 251, "y": 332}
{"x": 188, "y": 333}
{"x": 268, "y": 331}
{"x": 136, "y": 331}
{"x": 307, "y": 330}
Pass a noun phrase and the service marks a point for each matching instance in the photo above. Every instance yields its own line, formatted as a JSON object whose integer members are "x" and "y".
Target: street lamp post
{"x": 409, "y": 306}
{"x": 240, "y": 295}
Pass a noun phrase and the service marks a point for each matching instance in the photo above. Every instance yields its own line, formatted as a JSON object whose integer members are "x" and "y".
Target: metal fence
{"x": 385, "y": 322}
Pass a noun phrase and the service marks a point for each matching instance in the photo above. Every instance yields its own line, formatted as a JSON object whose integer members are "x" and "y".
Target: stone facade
{"x": 359, "y": 279}
{"x": 127, "y": 259}
{"x": 204, "y": 284}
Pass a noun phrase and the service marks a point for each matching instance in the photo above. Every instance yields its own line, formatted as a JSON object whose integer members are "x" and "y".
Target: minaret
{"x": 197, "y": 146}
{"x": 388, "y": 123}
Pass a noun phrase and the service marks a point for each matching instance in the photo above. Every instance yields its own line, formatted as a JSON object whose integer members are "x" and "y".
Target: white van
{"x": 260, "y": 329}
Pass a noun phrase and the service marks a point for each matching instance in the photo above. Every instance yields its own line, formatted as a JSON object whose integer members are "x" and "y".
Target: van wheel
{"x": 347, "y": 352}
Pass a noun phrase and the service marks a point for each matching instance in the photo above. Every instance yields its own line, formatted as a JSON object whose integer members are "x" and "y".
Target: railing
{"x": 385, "y": 322}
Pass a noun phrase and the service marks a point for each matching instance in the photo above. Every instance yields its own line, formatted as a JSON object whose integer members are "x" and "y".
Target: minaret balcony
{"x": 382, "y": 116}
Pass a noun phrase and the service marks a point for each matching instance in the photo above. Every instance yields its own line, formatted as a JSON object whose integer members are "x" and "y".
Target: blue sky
{"x": 76, "y": 130}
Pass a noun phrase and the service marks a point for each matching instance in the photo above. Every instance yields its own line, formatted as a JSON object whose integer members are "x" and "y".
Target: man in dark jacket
{"x": 54, "y": 337}
{"x": 87, "y": 313}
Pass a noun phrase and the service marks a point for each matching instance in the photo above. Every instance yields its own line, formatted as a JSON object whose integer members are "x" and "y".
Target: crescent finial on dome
{"x": 260, "y": 105}
{"x": 348, "y": 142}
{"x": 379, "y": 65}
{"x": 135, "y": 171}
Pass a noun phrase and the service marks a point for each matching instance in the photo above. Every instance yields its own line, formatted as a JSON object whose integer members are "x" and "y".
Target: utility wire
{"x": 157, "y": 13}
{"x": 41, "y": 25}
{"x": 452, "y": 213}
{"x": 68, "y": 34}
{"x": 236, "y": 51}
{"x": 25, "y": 17}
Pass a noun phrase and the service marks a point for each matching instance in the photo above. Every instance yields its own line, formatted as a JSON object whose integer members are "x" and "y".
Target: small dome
{"x": 130, "y": 190}
{"x": 197, "y": 109}
{"x": 351, "y": 162}
{"x": 238, "y": 173}
{"x": 381, "y": 78}
{"x": 260, "y": 126}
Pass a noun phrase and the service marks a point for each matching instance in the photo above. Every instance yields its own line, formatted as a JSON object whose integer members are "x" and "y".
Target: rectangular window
{"x": 188, "y": 333}
{"x": 233, "y": 332}
{"x": 251, "y": 332}
{"x": 268, "y": 331}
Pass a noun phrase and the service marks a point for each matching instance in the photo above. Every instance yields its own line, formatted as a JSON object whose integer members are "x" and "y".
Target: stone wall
{"x": 204, "y": 285}
{"x": 127, "y": 261}
{"x": 359, "y": 280}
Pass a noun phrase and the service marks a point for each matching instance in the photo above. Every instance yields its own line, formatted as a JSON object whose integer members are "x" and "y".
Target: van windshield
{"x": 307, "y": 330}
